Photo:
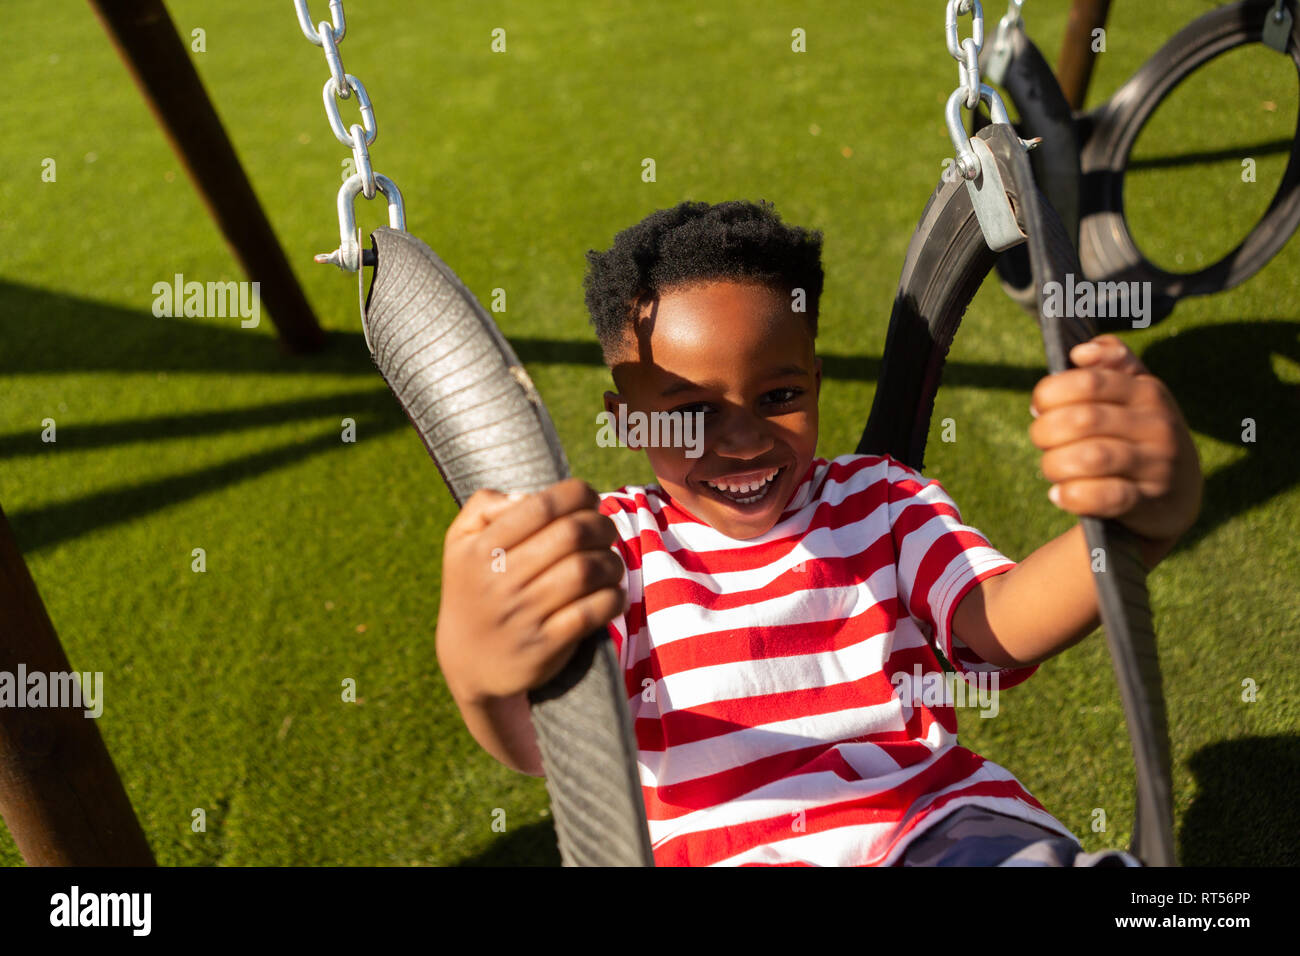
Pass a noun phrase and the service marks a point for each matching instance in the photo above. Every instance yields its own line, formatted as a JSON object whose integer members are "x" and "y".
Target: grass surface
{"x": 223, "y": 689}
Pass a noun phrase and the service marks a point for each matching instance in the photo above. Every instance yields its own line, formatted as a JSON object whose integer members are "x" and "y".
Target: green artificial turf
{"x": 223, "y": 689}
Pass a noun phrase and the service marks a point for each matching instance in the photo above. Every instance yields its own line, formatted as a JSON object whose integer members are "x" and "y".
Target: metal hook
{"x": 348, "y": 255}
{"x": 968, "y": 163}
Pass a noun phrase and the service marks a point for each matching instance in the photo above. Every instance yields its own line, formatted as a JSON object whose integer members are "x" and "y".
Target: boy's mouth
{"x": 745, "y": 488}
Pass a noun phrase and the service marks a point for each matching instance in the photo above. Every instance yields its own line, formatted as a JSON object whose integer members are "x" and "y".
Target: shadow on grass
{"x": 532, "y": 845}
{"x": 1244, "y": 813}
{"x": 1233, "y": 154}
{"x": 1221, "y": 375}
{"x": 45, "y": 333}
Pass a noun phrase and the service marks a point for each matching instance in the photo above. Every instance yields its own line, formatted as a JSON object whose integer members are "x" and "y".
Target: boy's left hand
{"x": 1115, "y": 444}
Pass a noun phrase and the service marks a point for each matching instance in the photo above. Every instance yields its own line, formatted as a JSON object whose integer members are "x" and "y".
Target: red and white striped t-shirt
{"x": 770, "y": 725}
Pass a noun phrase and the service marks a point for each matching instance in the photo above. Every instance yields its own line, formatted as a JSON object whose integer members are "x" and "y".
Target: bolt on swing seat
{"x": 485, "y": 426}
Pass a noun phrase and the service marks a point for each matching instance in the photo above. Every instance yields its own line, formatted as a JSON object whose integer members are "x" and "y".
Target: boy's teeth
{"x": 758, "y": 481}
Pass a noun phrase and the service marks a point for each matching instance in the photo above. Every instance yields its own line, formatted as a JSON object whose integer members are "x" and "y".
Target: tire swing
{"x": 946, "y": 262}
{"x": 1084, "y": 157}
{"x": 483, "y": 423}
{"x": 485, "y": 426}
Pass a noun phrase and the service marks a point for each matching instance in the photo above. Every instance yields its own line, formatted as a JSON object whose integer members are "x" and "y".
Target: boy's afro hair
{"x": 696, "y": 242}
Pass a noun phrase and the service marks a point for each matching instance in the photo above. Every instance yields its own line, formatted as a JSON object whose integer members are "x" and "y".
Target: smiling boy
{"x": 763, "y": 601}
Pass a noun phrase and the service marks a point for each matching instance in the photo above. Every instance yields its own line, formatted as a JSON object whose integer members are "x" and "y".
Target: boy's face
{"x": 738, "y": 353}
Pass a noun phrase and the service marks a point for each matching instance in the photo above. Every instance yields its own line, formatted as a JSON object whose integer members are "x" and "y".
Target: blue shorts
{"x": 973, "y": 836}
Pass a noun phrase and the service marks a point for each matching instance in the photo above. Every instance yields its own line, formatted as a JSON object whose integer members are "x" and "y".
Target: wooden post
{"x": 59, "y": 791}
{"x": 147, "y": 40}
{"x": 1074, "y": 66}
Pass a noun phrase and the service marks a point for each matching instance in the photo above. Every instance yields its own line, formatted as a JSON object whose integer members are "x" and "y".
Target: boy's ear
{"x": 613, "y": 403}
{"x": 817, "y": 373}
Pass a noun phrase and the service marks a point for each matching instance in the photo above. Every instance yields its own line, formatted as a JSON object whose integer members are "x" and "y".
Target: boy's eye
{"x": 783, "y": 396}
{"x": 693, "y": 408}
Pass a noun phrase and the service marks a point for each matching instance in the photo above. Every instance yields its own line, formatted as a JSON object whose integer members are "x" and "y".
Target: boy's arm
{"x": 525, "y": 579}
{"x": 1043, "y": 605}
{"x": 1115, "y": 446}
{"x": 503, "y": 726}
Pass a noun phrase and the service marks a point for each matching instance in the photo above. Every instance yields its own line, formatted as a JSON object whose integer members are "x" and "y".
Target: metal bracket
{"x": 988, "y": 195}
{"x": 999, "y": 60}
{"x": 1000, "y": 55}
{"x": 1277, "y": 27}
{"x": 367, "y": 259}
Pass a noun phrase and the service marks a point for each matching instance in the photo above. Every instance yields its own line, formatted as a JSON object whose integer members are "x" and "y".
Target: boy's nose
{"x": 742, "y": 436}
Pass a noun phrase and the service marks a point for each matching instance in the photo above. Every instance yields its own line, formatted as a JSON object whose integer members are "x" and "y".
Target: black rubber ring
{"x": 1106, "y": 247}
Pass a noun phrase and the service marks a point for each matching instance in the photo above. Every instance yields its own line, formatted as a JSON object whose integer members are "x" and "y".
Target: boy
{"x": 764, "y": 602}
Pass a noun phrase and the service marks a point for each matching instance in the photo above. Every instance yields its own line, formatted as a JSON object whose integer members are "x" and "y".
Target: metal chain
{"x": 970, "y": 89}
{"x": 1000, "y": 57}
{"x": 967, "y": 52}
{"x": 358, "y": 137}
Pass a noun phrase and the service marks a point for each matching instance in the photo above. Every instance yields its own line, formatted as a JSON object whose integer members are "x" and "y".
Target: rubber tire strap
{"x": 946, "y": 262}
{"x": 484, "y": 425}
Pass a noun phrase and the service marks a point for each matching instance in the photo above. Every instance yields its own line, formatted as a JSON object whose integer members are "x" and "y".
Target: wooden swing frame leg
{"x": 1074, "y": 66}
{"x": 146, "y": 38}
{"x": 60, "y": 794}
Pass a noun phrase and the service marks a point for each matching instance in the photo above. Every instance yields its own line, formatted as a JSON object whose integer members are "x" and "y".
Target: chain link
{"x": 966, "y": 52}
{"x": 335, "y": 61}
{"x": 358, "y": 137}
{"x": 336, "y": 14}
{"x": 341, "y": 132}
{"x": 971, "y": 89}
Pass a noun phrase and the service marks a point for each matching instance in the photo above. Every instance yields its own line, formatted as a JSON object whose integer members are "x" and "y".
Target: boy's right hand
{"x": 524, "y": 580}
